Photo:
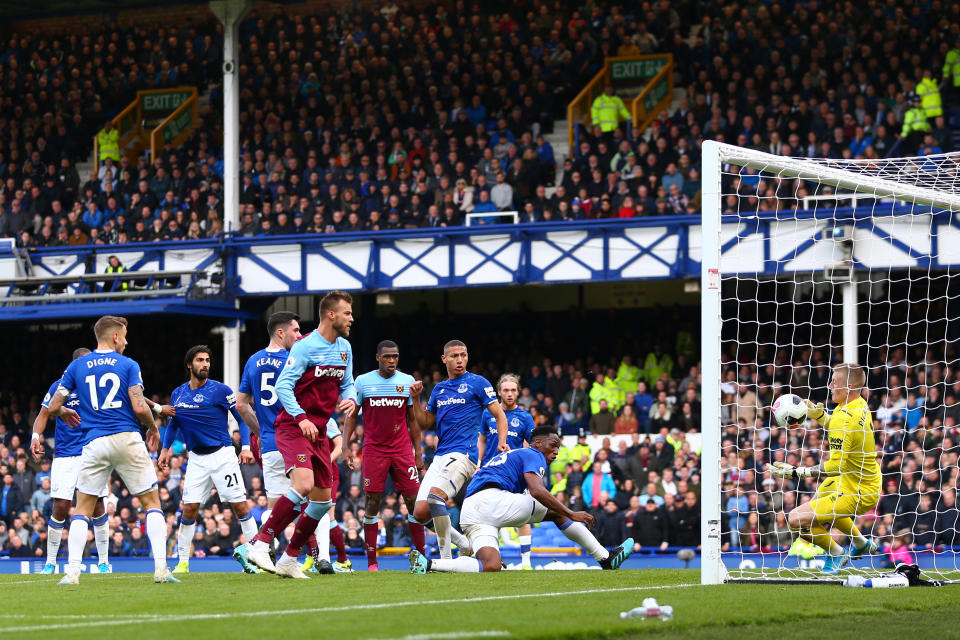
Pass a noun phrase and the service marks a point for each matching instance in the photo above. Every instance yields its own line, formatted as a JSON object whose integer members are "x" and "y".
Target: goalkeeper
{"x": 851, "y": 474}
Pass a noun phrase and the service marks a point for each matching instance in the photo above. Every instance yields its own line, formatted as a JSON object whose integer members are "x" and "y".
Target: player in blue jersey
{"x": 454, "y": 409}
{"x": 111, "y": 407}
{"x": 508, "y": 491}
{"x": 520, "y": 429}
{"x": 258, "y": 403}
{"x": 203, "y": 406}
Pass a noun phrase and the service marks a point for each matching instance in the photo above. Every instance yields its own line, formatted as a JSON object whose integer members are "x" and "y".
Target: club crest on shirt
{"x": 343, "y": 356}
{"x": 366, "y": 482}
{"x": 198, "y": 397}
{"x": 515, "y": 422}
{"x": 301, "y": 457}
{"x": 399, "y": 388}
{"x": 462, "y": 388}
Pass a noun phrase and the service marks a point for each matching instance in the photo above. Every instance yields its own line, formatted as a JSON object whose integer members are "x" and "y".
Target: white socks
{"x": 54, "y": 534}
{"x": 185, "y": 538}
{"x": 248, "y": 526}
{"x": 101, "y": 534}
{"x": 581, "y": 535}
{"x": 462, "y": 564}
{"x": 323, "y": 536}
{"x": 157, "y": 534}
{"x": 76, "y": 541}
{"x": 835, "y": 549}
{"x": 525, "y": 542}
{"x": 443, "y": 527}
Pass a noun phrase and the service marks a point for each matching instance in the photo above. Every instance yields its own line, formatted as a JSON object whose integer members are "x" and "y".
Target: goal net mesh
{"x": 800, "y": 241}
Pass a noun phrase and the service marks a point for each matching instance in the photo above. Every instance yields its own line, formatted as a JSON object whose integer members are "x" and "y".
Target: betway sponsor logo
{"x": 387, "y": 402}
{"x": 329, "y": 372}
{"x": 443, "y": 403}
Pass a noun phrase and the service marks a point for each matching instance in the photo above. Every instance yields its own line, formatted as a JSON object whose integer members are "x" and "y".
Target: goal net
{"x": 808, "y": 263}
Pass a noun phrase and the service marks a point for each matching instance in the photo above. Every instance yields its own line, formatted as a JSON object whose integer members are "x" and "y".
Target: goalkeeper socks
{"x": 525, "y": 542}
{"x": 76, "y": 541}
{"x": 101, "y": 534}
{"x": 417, "y": 534}
{"x": 54, "y": 534}
{"x": 581, "y": 535}
{"x": 370, "y": 533}
{"x": 185, "y": 538}
{"x": 822, "y": 538}
{"x": 157, "y": 534}
{"x": 323, "y": 537}
{"x": 462, "y": 564}
{"x": 847, "y": 526}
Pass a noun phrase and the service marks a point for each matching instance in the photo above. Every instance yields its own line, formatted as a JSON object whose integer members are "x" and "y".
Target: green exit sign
{"x": 165, "y": 101}
{"x": 636, "y": 69}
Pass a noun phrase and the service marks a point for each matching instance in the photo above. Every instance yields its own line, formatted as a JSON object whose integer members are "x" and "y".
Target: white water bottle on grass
{"x": 649, "y": 609}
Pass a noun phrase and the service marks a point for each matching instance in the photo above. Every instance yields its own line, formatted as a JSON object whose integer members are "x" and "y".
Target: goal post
{"x": 862, "y": 276}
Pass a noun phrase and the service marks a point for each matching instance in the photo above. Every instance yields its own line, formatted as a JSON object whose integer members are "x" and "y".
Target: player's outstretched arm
{"x": 539, "y": 493}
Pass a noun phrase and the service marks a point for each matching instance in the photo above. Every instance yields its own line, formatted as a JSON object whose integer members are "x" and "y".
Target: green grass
{"x": 540, "y": 604}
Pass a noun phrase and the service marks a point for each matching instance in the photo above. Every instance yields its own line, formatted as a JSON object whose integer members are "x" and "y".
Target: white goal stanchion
{"x": 864, "y": 275}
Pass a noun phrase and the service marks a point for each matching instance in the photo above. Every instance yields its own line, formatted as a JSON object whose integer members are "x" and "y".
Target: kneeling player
{"x": 509, "y": 492}
{"x": 852, "y": 486}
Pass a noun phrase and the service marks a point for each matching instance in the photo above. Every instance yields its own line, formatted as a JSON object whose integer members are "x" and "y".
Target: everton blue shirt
{"x": 202, "y": 416}
{"x": 458, "y": 404}
{"x": 67, "y": 440}
{"x": 519, "y": 428}
{"x": 259, "y": 380}
{"x": 101, "y": 380}
{"x": 506, "y": 470}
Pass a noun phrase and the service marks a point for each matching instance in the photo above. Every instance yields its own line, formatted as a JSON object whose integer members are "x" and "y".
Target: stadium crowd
{"x": 639, "y": 473}
{"x": 406, "y": 118}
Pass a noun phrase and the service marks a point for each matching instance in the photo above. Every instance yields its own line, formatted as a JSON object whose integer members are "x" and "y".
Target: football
{"x": 789, "y": 410}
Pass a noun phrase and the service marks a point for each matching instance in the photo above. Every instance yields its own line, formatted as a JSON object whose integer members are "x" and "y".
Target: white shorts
{"x": 219, "y": 469}
{"x": 124, "y": 453}
{"x": 63, "y": 478}
{"x": 275, "y": 480}
{"x": 486, "y": 512}
{"x": 448, "y": 473}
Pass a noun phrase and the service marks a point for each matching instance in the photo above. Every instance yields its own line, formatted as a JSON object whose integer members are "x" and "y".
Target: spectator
{"x": 598, "y": 482}
{"x": 119, "y": 547}
{"x": 650, "y": 528}
{"x": 17, "y": 549}
{"x": 602, "y": 422}
{"x": 685, "y": 522}
{"x": 11, "y": 499}
{"x": 627, "y": 422}
{"x": 611, "y": 525}
{"x": 40, "y": 497}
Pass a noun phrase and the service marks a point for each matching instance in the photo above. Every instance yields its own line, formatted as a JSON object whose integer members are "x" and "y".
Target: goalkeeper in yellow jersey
{"x": 851, "y": 474}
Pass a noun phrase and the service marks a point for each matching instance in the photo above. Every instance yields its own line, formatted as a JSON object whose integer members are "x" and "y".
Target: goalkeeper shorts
{"x": 832, "y": 505}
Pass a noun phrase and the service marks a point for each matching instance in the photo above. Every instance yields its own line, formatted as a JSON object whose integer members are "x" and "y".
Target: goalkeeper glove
{"x": 816, "y": 411}
{"x": 785, "y": 470}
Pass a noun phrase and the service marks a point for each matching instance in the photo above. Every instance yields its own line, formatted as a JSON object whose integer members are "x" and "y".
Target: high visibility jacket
{"x": 914, "y": 120}
{"x": 929, "y": 92}
{"x": 122, "y": 285}
{"x": 627, "y": 378}
{"x": 109, "y": 144}
{"x": 951, "y": 67}
{"x": 607, "y": 111}
{"x": 600, "y": 392}
{"x": 654, "y": 367}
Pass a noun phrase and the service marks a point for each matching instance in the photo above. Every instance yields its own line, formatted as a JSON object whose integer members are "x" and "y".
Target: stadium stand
{"x": 373, "y": 122}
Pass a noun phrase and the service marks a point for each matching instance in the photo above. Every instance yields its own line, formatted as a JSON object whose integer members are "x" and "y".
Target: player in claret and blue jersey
{"x": 111, "y": 409}
{"x": 202, "y": 407}
{"x": 520, "y": 428}
{"x": 318, "y": 372}
{"x": 454, "y": 408}
{"x": 391, "y": 443}
{"x": 508, "y": 491}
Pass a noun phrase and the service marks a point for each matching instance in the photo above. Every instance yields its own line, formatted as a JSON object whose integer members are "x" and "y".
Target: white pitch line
{"x": 112, "y": 576}
{"x": 352, "y": 607}
{"x": 453, "y": 635}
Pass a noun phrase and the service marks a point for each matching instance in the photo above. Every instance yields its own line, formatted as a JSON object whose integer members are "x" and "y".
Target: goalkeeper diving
{"x": 850, "y": 473}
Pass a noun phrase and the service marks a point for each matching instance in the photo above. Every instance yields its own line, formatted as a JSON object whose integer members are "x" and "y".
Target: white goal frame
{"x": 838, "y": 174}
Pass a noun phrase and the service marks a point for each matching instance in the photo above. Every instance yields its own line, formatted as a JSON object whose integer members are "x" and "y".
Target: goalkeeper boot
{"x": 868, "y": 549}
{"x": 419, "y": 563}
{"x": 343, "y": 567}
{"x": 833, "y": 564}
{"x": 618, "y": 555}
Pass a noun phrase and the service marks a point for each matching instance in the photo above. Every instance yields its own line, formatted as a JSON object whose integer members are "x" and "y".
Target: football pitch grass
{"x": 513, "y": 604}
